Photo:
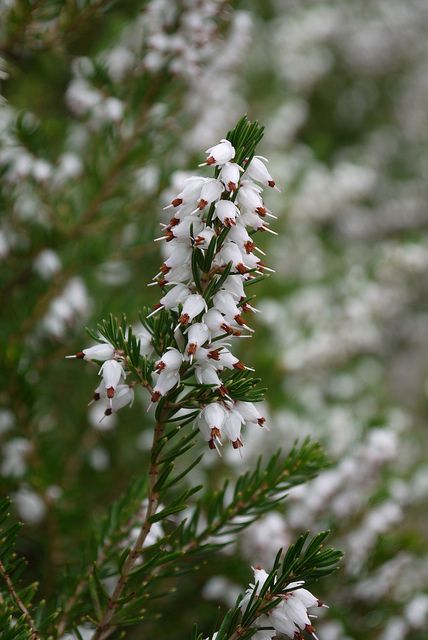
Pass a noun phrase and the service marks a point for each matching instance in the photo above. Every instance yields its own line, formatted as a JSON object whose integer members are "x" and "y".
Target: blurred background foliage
{"x": 104, "y": 105}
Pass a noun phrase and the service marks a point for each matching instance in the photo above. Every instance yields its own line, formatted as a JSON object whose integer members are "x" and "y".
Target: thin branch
{"x": 105, "y": 628}
{"x": 15, "y": 597}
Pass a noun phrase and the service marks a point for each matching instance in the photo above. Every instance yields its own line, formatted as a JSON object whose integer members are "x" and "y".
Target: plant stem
{"x": 15, "y": 597}
{"x": 105, "y": 628}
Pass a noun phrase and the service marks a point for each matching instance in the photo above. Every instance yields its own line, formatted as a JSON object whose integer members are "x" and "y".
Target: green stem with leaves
{"x": 105, "y": 628}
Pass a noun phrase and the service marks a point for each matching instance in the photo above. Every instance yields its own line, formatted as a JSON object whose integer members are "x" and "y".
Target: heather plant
{"x": 106, "y": 106}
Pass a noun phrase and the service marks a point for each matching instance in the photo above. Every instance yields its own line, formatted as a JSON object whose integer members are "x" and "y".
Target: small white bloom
{"x": 190, "y": 193}
{"x": 227, "y": 212}
{"x": 165, "y": 382}
{"x": 197, "y": 335}
{"x": 249, "y": 198}
{"x": 225, "y": 303}
{"x": 170, "y": 361}
{"x": 124, "y": 396}
{"x": 174, "y": 297}
{"x": 204, "y": 237}
{"x": 192, "y": 307}
{"x": 232, "y": 427}
{"x": 220, "y": 153}
{"x": 217, "y": 324}
{"x": 210, "y": 192}
{"x": 230, "y": 174}
{"x": 112, "y": 372}
{"x": 230, "y": 252}
{"x": 103, "y": 351}
{"x": 257, "y": 171}
{"x": 250, "y": 414}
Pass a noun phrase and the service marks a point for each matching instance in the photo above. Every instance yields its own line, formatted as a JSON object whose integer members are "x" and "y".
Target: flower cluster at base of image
{"x": 210, "y": 257}
{"x": 290, "y": 616}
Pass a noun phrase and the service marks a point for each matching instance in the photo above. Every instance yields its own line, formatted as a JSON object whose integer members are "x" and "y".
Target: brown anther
{"x": 202, "y": 204}
{"x": 271, "y": 183}
{"x": 249, "y": 246}
{"x": 239, "y": 319}
{"x": 199, "y": 240}
{"x": 108, "y": 412}
{"x": 184, "y": 319}
{"x": 215, "y": 433}
{"x": 165, "y": 269}
{"x": 222, "y": 390}
{"x": 173, "y": 222}
{"x": 210, "y": 160}
{"x": 80, "y": 355}
{"x": 241, "y": 268}
{"x": 261, "y": 422}
{"x": 191, "y": 349}
{"x": 155, "y": 396}
{"x": 239, "y": 365}
{"x": 162, "y": 282}
{"x": 160, "y": 366}
{"x": 176, "y": 202}
{"x": 211, "y": 444}
{"x": 231, "y": 186}
{"x": 227, "y": 329}
{"x": 236, "y": 444}
{"x": 157, "y": 305}
{"x": 229, "y": 222}
{"x": 261, "y": 211}
{"x": 110, "y": 392}
{"x": 236, "y": 332}
{"x": 96, "y": 396}
{"x": 214, "y": 354}
{"x": 246, "y": 307}
{"x": 169, "y": 235}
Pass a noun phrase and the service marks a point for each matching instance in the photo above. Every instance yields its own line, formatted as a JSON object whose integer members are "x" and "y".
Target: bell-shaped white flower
{"x": 172, "y": 298}
{"x": 257, "y": 171}
{"x": 281, "y": 622}
{"x": 250, "y": 413}
{"x": 123, "y": 397}
{"x": 165, "y": 382}
{"x": 102, "y": 352}
{"x": 225, "y": 303}
{"x": 220, "y": 154}
{"x": 190, "y": 192}
{"x": 171, "y": 360}
{"x": 234, "y": 284}
{"x": 206, "y": 374}
{"x": 214, "y": 415}
{"x": 182, "y": 273}
{"x": 112, "y": 373}
{"x": 204, "y": 237}
{"x": 227, "y": 212}
{"x": 210, "y": 192}
{"x": 197, "y": 335}
{"x": 179, "y": 254}
{"x": 181, "y": 231}
{"x": 217, "y": 324}
{"x": 229, "y": 175}
{"x": 249, "y": 198}
{"x": 230, "y": 252}
{"x": 192, "y": 307}
{"x": 232, "y": 427}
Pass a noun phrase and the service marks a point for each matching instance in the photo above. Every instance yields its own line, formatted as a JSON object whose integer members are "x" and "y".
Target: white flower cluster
{"x": 290, "y": 617}
{"x": 213, "y": 210}
{"x": 112, "y": 387}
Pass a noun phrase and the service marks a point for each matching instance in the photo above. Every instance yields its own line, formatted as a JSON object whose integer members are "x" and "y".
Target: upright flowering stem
{"x": 105, "y": 628}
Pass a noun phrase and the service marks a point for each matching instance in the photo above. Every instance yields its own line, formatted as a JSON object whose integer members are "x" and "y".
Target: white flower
{"x": 249, "y": 198}
{"x": 214, "y": 415}
{"x": 225, "y": 303}
{"x": 250, "y": 414}
{"x": 230, "y": 174}
{"x": 227, "y": 212}
{"x": 235, "y": 285}
{"x": 204, "y": 237}
{"x": 124, "y": 395}
{"x": 230, "y": 252}
{"x": 172, "y": 299}
{"x": 165, "y": 382}
{"x": 197, "y": 335}
{"x": 217, "y": 324}
{"x": 257, "y": 171}
{"x": 190, "y": 193}
{"x": 112, "y": 372}
{"x": 232, "y": 427}
{"x": 192, "y": 307}
{"x": 220, "y": 153}
{"x": 210, "y": 192}
{"x": 103, "y": 351}
{"x": 171, "y": 360}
